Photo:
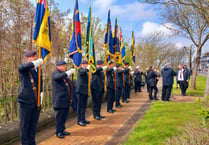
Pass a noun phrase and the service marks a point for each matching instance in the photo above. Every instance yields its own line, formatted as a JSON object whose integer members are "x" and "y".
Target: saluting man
{"x": 61, "y": 85}
{"x": 119, "y": 85}
{"x": 97, "y": 89}
{"x": 27, "y": 98}
{"x": 82, "y": 93}
{"x": 110, "y": 87}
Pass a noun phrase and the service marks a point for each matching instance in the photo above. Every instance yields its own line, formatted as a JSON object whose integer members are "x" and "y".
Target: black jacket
{"x": 60, "y": 94}
{"x": 26, "y": 95}
{"x": 119, "y": 78}
{"x": 110, "y": 77}
{"x": 168, "y": 74}
{"x": 97, "y": 80}
{"x": 126, "y": 75}
{"x": 185, "y": 74}
{"x": 152, "y": 78}
{"x": 82, "y": 81}
{"x": 137, "y": 76}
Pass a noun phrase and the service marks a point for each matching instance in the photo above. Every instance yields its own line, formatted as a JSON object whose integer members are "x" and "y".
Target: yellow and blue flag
{"x": 75, "y": 47}
{"x": 108, "y": 41}
{"x": 122, "y": 47}
{"x": 42, "y": 31}
{"x": 90, "y": 53}
{"x": 116, "y": 42}
{"x": 132, "y": 48}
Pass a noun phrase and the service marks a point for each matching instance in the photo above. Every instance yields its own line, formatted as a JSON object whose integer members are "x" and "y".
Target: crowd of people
{"x": 119, "y": 80}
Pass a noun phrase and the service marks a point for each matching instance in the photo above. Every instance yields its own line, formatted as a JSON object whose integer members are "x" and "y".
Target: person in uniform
{"x": 126, "y": 91}
{"x": 97, "y": 89}
{"x": 145, "y": 75}
{"x": 137, "y": 79}
{"x": 61, "y": 85}
{"x": 152, "y": 81}
{"x": 82, "y": 93}
{"x": 27, "y": 97}
{"x": 119, "y": 85}
{"x": 110, "y": 88}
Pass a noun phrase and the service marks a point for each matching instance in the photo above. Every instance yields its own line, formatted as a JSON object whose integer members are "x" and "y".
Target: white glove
{"x": 88, "y": 67}
{"x": 66, "y": 59}
{"x": 130, "y": 68}
{"x": 122, "y": 68}
{"x": 132, "y": 72}
{"x": 38, "y": 62}
{"x": 104, "y": 67}
{"x": 114, "y": 68}
{"x": 70, "y": 72}
{"x": 42, "y": 96}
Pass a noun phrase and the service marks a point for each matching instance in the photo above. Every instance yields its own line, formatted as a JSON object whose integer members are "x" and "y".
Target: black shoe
{"x": 66, "y": 133}
{"x": 119, "y": 106}
{"x": 86, "y": 122}
{"x": 126, "y": 101}
{"x": 97, "y": 118}
{"x": 156, "y": 98}
{"x": 113, "y": 110}
{"x": 81, "y": 123}
{"x": 110, "y": 111}
{"x": 60, "y": 135}
{"x": 102, "y": 117}
{"x": 150, "y": 98}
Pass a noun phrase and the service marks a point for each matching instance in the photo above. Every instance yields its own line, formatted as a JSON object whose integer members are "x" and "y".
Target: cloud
{"x": 150, "y": 27}
{"x": 102, "y": 6}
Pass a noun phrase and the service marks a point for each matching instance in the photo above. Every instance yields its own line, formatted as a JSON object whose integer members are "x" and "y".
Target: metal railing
{"x": 9, "y": 108}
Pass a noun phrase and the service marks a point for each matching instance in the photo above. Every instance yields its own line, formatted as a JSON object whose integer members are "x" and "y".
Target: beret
{"x": 126, "y": 63}
{"x": 30, "y": 53}
{"x": 84, "y": 62}
{"x": 60, "y": 63}
{"x": 117, "y": 65}
{"x": 111, "y": 62}
{"x": 99, "y": 62}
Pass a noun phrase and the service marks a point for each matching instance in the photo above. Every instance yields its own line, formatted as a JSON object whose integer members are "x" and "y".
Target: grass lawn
{"x": 200, "y": 87}
{"x": 162, "y": 121}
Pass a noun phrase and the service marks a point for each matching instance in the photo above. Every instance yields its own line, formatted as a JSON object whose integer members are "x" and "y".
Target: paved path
{"x": 113, "y": 129}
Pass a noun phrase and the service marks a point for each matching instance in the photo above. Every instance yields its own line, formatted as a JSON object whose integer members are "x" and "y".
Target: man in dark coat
{"x": 145, "y": 75}
{"x": 27, "y": 98}
{"x": 61, "y": 85}
{"x": 82, "y": 93}
{"x": 183, "y": 79}
{"x": 167, "y": 75}
{"x": 152, "y": 81}
{"x": 137, "y": 79}
{"x": 127, "y": 86}
{"x": 97, "y": 90}
{"x": 119, "y": 85}
{"x": 110, "y": 87}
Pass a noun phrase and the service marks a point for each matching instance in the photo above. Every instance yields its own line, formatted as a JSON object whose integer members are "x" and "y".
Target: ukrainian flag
{"x": 75, "y": 47}
{"x": 42, "y": 31}
{"x": 132, "y": 48}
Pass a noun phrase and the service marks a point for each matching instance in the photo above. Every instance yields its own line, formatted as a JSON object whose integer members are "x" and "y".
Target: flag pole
{"x": 71, "y": 87}
{"x": 39, "y": 82}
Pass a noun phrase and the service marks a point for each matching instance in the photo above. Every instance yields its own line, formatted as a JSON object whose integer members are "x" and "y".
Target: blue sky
{"x": 131, "y": 15}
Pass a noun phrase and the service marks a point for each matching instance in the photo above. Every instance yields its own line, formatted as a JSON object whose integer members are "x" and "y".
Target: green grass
{"x": 162, "y": 121}
{"x": 200, "y": 87}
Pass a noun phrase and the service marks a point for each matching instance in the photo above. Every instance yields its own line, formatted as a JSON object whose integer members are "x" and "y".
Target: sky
{"x": 131, "y": 15}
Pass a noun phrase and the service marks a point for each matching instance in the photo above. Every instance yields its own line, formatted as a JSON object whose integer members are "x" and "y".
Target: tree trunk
{"x": 194, "y": 72}
{"x": 207, "y": 84}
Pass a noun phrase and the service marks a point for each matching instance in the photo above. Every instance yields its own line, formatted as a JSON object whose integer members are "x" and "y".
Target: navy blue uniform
{"x": 82, "y": 93}
{"x": 110, "y": 88}
{"x": 127, "y": 84}
{"x": 152, "y": 81}
{"x": 29, "y": 114}
{"x": 97, "y": 91}
{"x": 119, "y": 86}
{"x": 60, "y": 99}
{"x": 137, "y": 80}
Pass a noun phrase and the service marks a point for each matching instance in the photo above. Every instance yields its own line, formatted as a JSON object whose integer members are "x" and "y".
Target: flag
{"x": 75, "y": 47}
{"x": 132, "y": 48}
{"x": 116, "y": 42}
{"x": 122, "y": 47}
{"x": 90, "y": 53}
{"x": 108, "y": 41}
{"x": 42, "y": 31}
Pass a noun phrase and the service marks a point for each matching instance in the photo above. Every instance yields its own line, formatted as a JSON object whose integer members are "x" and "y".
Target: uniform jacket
{"x": 152, "y": 78}
{"x": 119, "y": 78}
{"x": 26, "y": 95}
{"x": 110, "y": 77}
{"x": 168, "y": 74}
{"x": 137, "y": 75}
{"x": 126, "y": 76}
{"x": 97, "y": 80}
{"x": 60, "y": 95}
{"x": 82, "y": 81}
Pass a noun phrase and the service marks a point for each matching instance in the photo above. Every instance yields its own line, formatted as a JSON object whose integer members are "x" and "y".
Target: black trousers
{"x": 60, "y": 119}
{"x": 110, "y": 98}
{"x": 155, "y": 93}
{"x": 147, "y": 87}
{"x": 28, "y": 122}
{"x": 137, "y": 87}
{"x": 97, "y": 98}
{"x": 183, "y": 85}
{"x": 118, "y": 94}
{"x": 81, "y": 106}
{"x": 166, "y": 93}
{"x": 126, "y": 92}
